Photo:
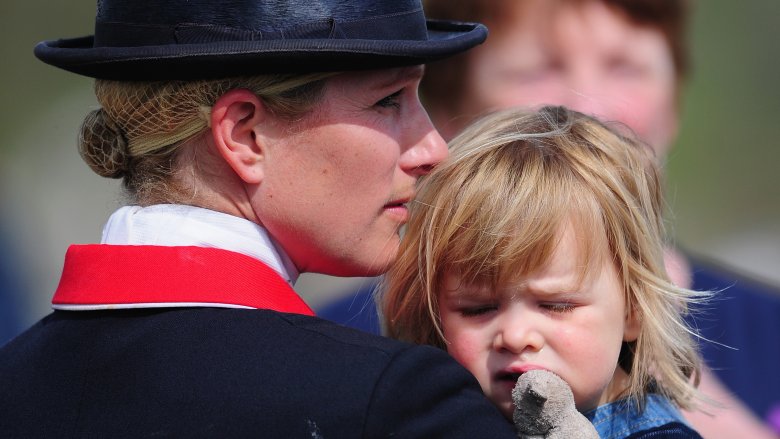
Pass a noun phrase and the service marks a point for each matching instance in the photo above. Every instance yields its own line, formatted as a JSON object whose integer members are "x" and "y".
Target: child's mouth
{"x": 508, "y": 376}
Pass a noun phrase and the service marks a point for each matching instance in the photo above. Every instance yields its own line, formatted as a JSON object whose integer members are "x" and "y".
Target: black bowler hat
{"x": 200, "y": 39}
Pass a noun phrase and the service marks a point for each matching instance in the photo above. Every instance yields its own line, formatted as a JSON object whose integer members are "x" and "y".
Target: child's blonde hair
{"x": 493, "y": 211}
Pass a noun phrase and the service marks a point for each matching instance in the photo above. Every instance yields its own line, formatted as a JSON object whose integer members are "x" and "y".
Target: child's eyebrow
{"x": 549, "y": 287}
{"x": 557, "y": 290}
{"x": 470, "y": 291}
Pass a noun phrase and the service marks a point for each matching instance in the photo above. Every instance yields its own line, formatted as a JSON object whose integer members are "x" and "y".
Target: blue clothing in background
{"x": 10, "y": 295}
{"x": 745, "y": 317}
{"x": 622, "y": 419}
{"x": 356, "y": 310}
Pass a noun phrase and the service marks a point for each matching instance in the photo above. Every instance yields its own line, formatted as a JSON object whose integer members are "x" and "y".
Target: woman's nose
{"x": 428, "y": 149}
{"x": 432, "y": 150}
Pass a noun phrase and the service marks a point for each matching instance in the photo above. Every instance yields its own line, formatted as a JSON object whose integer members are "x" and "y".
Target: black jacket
{"x": 211, "y": 372}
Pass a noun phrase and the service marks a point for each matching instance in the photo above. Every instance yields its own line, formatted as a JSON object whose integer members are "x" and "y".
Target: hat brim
{"x": 238, "y": 58}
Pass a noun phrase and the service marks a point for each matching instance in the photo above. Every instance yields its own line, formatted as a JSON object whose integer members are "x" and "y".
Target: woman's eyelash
{"x": 390, "y": 101}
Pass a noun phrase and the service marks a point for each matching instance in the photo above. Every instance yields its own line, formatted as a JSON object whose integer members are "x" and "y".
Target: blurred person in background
{"x": 624, "y": 61}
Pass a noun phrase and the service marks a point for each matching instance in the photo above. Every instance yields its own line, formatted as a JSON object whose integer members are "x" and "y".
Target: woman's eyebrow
{"x": 401, "y": 75}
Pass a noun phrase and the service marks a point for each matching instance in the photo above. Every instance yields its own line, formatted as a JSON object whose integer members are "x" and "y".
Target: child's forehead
{"x": 453, "y": 287}
{"x": 561, "y": 262}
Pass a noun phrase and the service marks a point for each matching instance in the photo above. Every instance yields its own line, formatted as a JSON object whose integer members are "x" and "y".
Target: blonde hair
{"x": 493, "y": 212}
{"x": 141, "y": 126}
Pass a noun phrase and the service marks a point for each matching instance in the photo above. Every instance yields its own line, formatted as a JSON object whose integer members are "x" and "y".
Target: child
{"x": 539, "y": 245}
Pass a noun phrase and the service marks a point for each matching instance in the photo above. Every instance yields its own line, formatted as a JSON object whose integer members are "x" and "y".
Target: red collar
{"x": 109, "y": 276}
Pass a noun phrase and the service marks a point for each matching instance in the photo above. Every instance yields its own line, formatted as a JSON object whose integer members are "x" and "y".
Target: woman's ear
{"x": 234, "y": 120}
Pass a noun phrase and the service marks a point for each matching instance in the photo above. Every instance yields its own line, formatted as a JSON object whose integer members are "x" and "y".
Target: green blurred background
{"x": 724, "y": 188}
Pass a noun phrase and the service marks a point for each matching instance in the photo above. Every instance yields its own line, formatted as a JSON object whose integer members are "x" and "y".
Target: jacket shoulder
{"x": 283, "y": 374}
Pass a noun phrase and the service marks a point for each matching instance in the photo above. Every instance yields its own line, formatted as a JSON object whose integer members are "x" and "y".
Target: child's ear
{"x": 235, "y": 118}
{"x": 633, "y": 325}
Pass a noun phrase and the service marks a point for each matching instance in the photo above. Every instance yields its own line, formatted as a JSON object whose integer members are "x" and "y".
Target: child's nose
{"x": 517, "y": 334}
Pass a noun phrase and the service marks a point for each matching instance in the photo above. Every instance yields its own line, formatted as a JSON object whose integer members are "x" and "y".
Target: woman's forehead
{"x": 378, "y": 79}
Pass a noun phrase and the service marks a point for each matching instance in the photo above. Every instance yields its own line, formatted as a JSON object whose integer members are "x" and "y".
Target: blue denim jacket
{"x": 621, "y": 419}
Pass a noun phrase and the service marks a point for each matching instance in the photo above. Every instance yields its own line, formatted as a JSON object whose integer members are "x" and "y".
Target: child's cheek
{"x": 464, "y": 349}
{"x": 470, "y": 351}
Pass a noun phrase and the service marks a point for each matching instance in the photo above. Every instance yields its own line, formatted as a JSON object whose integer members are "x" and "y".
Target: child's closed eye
{"x": 477, "y": 310}
{"x": 558, "y": 307}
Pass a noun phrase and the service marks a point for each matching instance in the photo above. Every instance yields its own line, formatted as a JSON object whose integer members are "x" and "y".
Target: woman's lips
{"x": 398, "y": 209}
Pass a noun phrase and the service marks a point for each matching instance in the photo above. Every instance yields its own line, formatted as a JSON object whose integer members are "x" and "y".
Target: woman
{"x": 257, "y": 140}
